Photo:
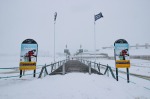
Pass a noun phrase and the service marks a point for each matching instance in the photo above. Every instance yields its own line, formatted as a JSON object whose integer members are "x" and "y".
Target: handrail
{"x": 52, "y": 65}
{"x": 108, "y": 68}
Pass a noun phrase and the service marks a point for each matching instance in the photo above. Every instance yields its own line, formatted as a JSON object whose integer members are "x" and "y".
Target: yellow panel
{"x": 27, "y": 66}
{"x": 122, "y": 63}
{"x": 27, "y": 63}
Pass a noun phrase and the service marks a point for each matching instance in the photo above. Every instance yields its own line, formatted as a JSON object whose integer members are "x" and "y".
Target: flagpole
{"x": 96, "y": 17}
{"x": 94, "y": 40}
{"x": 55, "y": 16}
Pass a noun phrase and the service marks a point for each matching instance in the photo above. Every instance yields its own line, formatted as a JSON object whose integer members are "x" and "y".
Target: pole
{"x": 55, "y": 16}
{"x": 128, "y": 75}
{"x": 20, "y": 73}
{"x": 94, "y": 41}
{"x": 117, "y": 74}
{"x": 54, "y": 41}
{"x": 34, "y": 73}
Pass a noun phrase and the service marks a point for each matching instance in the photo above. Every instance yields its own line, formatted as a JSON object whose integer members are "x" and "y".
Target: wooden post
{"x": 45, "y": 71}
{"x": 99, "y": 67}
{"x": 117, "y": 74}
{"x": 52, "y": 68}
{"x": 128, "y": 75}
{"x": 90, "y": 68}
{"x": 107, "y": 71}
{"x": 63, "y": 68}
{"x": 41, "y": 72}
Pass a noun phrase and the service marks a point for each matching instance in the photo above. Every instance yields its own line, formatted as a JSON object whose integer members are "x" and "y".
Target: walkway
{"x": 74, "y": 66}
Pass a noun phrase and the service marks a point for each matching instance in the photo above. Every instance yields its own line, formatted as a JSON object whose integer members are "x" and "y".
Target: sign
{"x": 28, "y": 56}
{"x": 121, "y": 54}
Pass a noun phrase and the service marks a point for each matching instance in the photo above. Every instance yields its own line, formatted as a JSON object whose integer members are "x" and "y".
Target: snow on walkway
{"x": 71, "y": 86}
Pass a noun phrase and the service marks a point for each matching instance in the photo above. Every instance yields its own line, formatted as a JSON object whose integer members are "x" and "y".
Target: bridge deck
{"x": 74, "y": 66}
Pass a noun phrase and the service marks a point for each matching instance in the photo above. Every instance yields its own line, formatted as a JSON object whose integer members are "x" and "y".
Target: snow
{"x": 132, "y": 52}
{"x": 13, "y": 61}
{"x": 74, "y": 85}
{"x": 71, "y": 86}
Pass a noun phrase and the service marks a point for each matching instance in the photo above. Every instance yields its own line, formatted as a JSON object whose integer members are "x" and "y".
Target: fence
{"x": 45, "y": 69}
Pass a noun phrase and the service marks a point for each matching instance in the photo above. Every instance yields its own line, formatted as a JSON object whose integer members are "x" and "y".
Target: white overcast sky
{"x": 22, "y": 19}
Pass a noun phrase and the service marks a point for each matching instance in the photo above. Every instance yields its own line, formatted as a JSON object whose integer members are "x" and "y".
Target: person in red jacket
{"x": 124, "y": 53}
{"x": 30, "y": 54}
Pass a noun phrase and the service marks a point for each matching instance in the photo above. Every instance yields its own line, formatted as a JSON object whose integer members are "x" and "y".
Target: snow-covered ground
{"x": 74, "y": 85}
{"x": 132, "y": 52}
{"x": 13, "y": 61}
{"x": 71, "y": 86}
{"x": 141, "y": 67}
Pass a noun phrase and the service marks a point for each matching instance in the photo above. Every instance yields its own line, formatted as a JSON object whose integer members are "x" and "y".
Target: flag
{"x": 98, "y": 16}
{"x": 55, "y": 16}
